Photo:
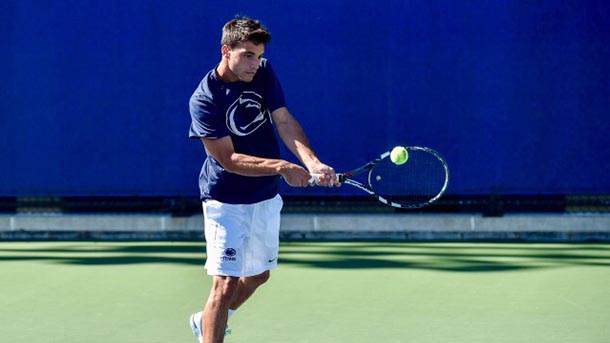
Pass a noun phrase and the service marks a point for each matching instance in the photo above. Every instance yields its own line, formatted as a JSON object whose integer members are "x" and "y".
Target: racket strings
{"x": 417, "y": 181}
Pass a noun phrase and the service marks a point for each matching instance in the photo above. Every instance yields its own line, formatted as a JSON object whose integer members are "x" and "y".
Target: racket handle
{"x": 315, "y": 179}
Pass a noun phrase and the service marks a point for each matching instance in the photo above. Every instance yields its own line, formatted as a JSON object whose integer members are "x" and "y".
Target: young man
{"x": 234, "y": 111}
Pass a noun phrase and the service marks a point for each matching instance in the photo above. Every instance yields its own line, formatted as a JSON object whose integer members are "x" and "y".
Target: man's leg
{"x": 246, "y": 287}
{"x": 214, "y": 319}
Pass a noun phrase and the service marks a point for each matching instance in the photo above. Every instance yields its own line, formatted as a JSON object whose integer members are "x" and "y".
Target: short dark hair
{"x": 242, "y": 29}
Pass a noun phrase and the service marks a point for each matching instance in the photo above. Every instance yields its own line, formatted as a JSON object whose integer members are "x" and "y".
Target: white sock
{"x": 231, "y": 313}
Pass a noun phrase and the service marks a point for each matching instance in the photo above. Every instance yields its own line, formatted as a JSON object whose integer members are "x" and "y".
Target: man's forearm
{"x": 254, "y": 166}
{"x": 296, "y": 141}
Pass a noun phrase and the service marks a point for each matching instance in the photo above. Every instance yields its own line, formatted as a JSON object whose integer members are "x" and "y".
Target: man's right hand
{"x": 295, "y": 175}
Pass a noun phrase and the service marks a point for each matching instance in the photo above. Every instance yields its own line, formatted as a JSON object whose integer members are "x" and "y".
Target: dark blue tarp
{"x": 516, "y": 95}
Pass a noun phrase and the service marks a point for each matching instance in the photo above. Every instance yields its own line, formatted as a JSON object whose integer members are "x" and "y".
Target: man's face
{"x": 244, "y": 60}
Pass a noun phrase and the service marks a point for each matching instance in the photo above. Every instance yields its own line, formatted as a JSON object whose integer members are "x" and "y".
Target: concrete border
{"x": 318, "y": 226}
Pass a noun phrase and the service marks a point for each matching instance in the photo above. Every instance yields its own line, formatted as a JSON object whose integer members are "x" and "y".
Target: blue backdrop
{"x": 516, "y": 95}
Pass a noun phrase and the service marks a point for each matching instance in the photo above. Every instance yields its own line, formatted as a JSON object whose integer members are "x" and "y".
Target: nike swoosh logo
{"x": 271, "y": 260}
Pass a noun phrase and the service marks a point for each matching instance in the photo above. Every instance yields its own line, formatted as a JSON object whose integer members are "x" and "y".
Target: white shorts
{"x": 242, "y": 240}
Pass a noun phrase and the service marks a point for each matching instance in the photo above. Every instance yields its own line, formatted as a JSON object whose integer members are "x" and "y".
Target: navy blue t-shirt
{"x": 241, "y": 110}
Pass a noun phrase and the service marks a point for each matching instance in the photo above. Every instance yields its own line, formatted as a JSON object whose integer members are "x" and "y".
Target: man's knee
{"x": 224, "y": 287}
{"x": 259, "y": 279}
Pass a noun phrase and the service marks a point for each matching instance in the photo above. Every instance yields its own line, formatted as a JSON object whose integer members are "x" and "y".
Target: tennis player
{"x": 235, "y": 111}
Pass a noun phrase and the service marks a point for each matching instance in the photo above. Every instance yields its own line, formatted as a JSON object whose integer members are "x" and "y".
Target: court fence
{"x": 483, "y": 218}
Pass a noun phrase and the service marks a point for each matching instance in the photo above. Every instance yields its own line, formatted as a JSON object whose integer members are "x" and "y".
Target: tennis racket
{"x": 419, "y": 182}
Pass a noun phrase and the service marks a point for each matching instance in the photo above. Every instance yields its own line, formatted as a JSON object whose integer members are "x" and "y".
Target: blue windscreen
{"x": 515, "y": 95}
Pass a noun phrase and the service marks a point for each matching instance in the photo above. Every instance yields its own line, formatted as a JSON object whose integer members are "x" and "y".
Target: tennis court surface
{"x": 322, "y": 292}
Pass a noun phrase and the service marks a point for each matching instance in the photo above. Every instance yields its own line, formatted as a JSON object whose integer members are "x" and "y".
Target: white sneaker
{"x": 196, "y": 325}
{"x": 195, "y": 322}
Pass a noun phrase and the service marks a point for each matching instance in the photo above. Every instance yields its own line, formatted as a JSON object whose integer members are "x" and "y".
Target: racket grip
{"x": 315, "y": 179}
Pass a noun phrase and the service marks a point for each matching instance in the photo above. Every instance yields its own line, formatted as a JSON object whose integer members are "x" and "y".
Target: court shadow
{"x": 449, "y": 257}
{"x": 107, "y": 254}
{"x": 371, "y": 263}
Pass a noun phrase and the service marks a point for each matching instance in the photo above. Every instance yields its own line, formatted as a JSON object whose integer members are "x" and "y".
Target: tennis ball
{"x": 399, "y": 155}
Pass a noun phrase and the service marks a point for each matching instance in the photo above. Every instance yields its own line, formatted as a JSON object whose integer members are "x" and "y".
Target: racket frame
{"x": 345, "y": 178}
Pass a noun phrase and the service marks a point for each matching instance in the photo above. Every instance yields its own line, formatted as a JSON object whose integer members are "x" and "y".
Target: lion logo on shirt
{"x": 246, "y": 115}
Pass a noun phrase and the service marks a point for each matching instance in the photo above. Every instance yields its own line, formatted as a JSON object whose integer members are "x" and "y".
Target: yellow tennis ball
{"x": 399, "y": 155}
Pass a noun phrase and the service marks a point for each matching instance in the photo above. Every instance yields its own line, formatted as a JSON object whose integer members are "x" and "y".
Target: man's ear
{"x": 225, "y": 51}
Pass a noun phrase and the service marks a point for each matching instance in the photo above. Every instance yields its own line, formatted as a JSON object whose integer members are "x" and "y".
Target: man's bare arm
{"x": 294, "y": 138}
{"x": 223, "y": 151}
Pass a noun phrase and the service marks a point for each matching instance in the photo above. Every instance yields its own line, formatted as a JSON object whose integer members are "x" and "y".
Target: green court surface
{"x": 322, "y": 292}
